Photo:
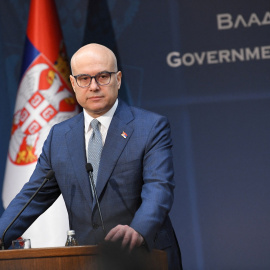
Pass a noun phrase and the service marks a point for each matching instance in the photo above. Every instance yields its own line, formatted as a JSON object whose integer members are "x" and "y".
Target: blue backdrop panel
{"x": 215, "y": 92}
{"x": 205, "y": 65}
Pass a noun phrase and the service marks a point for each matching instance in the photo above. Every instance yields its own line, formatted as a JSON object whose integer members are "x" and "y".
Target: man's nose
{"x": 93, "y": 85}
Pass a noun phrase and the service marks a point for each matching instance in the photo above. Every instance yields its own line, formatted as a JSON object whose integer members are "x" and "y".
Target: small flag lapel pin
{"x": 124, "y": 134}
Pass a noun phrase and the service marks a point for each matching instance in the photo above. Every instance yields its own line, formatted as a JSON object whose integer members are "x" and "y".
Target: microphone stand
{"x": 89, "y": 169}
{"x": 47, "y": 178}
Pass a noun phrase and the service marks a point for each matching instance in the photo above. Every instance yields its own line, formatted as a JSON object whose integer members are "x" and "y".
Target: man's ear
{"x": 119, "y": 79}
{"x": 72, "y": 81}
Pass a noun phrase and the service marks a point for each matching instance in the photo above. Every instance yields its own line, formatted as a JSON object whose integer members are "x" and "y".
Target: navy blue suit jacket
{"x": 134, "y": 184}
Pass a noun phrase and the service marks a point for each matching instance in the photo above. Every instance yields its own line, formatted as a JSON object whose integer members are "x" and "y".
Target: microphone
{"x": 89, "y": 169}
{"x": 48, "y": 176}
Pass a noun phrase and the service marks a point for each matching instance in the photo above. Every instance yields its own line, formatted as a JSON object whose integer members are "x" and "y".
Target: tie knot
{"x": 94, "y": 124}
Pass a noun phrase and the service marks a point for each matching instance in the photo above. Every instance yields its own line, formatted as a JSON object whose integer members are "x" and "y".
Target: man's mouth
{"x": 94, "y": 97}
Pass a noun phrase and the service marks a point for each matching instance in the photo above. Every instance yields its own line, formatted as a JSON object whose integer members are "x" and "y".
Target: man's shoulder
{"x": 69, "y": 122}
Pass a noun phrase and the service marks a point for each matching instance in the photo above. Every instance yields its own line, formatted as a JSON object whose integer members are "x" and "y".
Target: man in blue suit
{"x": 134, "y": 181}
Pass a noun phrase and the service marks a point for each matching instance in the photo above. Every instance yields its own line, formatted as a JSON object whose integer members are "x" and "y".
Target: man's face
{"x": 96, "y": 99}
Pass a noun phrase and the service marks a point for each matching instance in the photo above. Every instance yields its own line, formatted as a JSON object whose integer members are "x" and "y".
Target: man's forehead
{"x": 97, "y": 64}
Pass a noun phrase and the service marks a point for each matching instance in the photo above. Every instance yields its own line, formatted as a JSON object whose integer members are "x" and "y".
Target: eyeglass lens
{"x": 102, "y": 78}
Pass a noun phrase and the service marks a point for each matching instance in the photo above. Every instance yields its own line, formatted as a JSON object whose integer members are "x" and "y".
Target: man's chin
{"x": 96, "y": 111}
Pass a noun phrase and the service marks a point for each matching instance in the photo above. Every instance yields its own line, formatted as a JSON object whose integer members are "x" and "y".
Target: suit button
{"x": 95, "y": 226}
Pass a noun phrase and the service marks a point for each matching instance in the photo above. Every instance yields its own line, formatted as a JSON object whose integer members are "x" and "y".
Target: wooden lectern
{"x": 67, "y": 258}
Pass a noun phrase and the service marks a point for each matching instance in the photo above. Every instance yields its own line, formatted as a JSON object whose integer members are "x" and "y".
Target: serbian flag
{"x": 44, "y": 98}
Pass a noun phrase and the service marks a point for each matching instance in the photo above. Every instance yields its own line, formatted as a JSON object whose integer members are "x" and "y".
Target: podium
{"x": 67, "y": 258}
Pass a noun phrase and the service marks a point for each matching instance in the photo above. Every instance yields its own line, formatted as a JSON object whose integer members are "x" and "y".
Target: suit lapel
{"x": 76, "y": 147}
{"x": 114, "y": 144}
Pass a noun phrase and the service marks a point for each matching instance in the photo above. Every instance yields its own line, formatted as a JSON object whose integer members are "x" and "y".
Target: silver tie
{"x": 95, "y": 148}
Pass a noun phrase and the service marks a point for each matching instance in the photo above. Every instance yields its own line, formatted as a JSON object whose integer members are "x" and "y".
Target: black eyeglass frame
{"x": 91, "y": 77}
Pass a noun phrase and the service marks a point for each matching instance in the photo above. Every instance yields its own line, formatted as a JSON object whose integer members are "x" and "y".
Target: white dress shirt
{"x": 104, "y": 120}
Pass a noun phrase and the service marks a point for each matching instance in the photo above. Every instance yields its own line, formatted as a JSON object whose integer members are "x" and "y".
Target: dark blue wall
{"x": 216, "y": 95}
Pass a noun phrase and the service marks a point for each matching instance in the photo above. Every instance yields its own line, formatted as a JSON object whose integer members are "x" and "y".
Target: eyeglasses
{"x": 102, "y": 78}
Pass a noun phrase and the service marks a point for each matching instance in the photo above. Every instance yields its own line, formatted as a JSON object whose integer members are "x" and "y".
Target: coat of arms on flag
{"x": 43, "y": 99}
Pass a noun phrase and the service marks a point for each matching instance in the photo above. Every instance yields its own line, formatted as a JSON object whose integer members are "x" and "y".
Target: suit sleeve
{"x": 44, "y": 199}
{"x": 158, "y": 183}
